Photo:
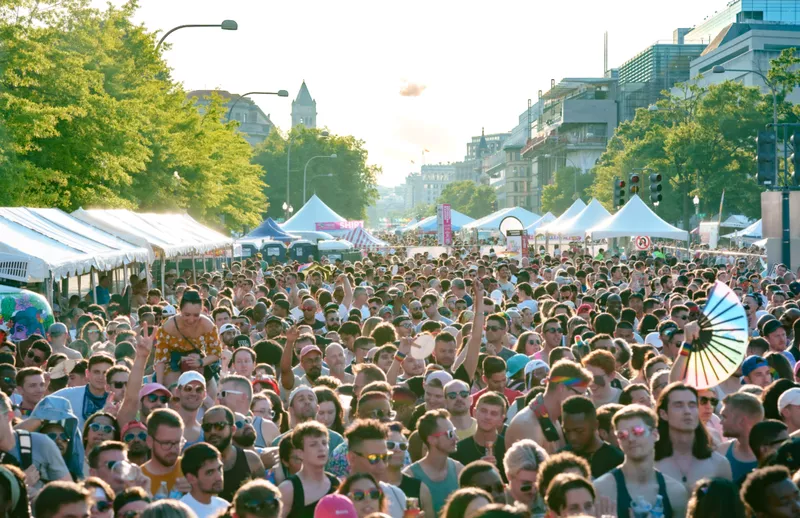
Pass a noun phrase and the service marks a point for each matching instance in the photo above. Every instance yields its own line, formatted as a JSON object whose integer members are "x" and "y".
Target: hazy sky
{"x": 479, "y": 62}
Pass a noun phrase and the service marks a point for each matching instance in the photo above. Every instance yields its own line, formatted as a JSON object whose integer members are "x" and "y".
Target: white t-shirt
{"x": 217, "y": 504}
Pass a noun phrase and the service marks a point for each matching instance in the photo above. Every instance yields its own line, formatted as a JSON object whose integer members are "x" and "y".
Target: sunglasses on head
{"x": 142, "y": 436}
{"x": 463, "y": 393}
{"x": 207, "y": 427}
{"x": 706, "y": 400}
{"x": 97, "y": 427}
{"x": 372, "y": 494}
{"x": 397, "y": 445}
{"x": 636, "y": 431}
{"x": 155, "y": 397}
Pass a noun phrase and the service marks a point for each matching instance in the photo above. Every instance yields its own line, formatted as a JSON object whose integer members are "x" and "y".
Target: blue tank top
{"x": 739, "y": 469}
{"x": 260, "y": 442}
{"x": 624, "y": 499}
{"x": 441, "y": 489}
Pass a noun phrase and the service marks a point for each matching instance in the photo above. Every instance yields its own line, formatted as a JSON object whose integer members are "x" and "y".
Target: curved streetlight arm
{"x": 221, "y": 25}
{"x": 305, "y": 170}
{"x": 279, "y": 93}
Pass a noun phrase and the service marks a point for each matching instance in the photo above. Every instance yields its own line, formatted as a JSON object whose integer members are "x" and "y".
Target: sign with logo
{"x": 338, "y": 225}
{"x": 642, "y": 242}
{"x": 444, "y": 224}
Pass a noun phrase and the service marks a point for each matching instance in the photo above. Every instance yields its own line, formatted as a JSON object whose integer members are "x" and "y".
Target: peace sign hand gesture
{"x": 144, "y": 341}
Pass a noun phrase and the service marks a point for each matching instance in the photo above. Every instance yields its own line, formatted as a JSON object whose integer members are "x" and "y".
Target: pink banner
{"x": 445, "y": 224}
{"x": 338, "y": 225}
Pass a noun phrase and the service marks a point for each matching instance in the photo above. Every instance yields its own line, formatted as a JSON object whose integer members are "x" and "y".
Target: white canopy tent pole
{"x": 163, "y": 273}
{"x": 80, "y": 277}
{"x": 93, "y": 285}
{"x": 194, "y": 268}
{"x": 50, "y": 290}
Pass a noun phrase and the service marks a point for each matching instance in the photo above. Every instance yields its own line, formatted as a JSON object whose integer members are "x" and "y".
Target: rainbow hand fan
{"x": 722, "y": 344}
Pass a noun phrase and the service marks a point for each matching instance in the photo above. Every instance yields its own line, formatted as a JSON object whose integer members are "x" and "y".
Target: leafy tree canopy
{"x": 469, "y": 198}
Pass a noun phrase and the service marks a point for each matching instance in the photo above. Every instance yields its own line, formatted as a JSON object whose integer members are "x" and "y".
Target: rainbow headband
{"x": 566, "y": 380}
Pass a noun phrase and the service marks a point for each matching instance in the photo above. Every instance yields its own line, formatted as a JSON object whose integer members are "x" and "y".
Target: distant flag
{"x": 721, "y": 201}
{"x": 426, "y": 151}
{"x": 413, "y": 162}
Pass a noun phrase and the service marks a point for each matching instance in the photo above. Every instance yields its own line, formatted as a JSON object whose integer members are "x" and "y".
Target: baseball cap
{"x": 132, "y": 425}
{"x": 789, "y": 454}
{"x": 57, "y": 329}
{"x": 190, "y": 376}
{"x": 653, "y": 339}
{"x": 228, "y": 327}
{"x": 335, "y": 506}
{"x": 273, "y": 318}
{"x": 298, "y": 390}
{"x": 752, "y": 363}
{"x": 515, "y": 364}
{"x": 168, "y": 310}
{"x": 310, "y": 348}
{"x": 443, "y": 377}
{"x": 584, "y": 308}
{"x": 790, "y": 397}
{"x": 151, "y": 388}
{"x": 535, "y": 364}
{"x": 400, "y": 319}
{"x": 770, "y": 326}
{"x": 241, "y": 341}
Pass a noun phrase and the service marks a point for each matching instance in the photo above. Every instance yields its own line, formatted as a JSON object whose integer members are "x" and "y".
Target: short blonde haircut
{"x": 523, "y": 455}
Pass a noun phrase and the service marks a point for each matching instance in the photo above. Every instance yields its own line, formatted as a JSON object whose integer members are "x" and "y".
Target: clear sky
{"x": 479, "y": 62}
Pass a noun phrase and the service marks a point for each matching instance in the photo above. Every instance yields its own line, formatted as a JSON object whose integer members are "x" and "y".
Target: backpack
{"x": 25, "y": 444}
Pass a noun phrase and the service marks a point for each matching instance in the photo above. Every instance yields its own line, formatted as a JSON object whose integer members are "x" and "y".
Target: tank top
{"x": 235, "y": 477}
{"x": 299, "y": 507}
{"x": 410, "y": 486}
{"x": 624, "y": 498}
{"x": 439, "y": 490}
{"x": 260, "y": 442}
{"x": 739, "y": 469}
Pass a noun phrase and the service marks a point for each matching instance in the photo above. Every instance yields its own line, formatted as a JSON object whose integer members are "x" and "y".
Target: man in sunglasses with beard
{"x": 239, "y": 465}
{"x": 134, "y": 435}
{"x": 635, "y": 428}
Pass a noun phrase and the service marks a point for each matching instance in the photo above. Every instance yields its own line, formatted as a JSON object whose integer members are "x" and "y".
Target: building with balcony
{"x": 571, "y": 125}
{"x": 254, "y": 124}
{"x": 507, "y": 171}
{"x": 659, "y": 67}
{"x": 745, "y": 11}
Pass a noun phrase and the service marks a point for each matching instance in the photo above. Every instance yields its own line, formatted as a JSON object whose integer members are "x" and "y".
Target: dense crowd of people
{"x": 454, "y": 386}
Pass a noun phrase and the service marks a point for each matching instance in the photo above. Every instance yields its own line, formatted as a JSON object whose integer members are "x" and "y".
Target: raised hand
{"x": 292, "y": 334}
{"x": 144, "y": 341}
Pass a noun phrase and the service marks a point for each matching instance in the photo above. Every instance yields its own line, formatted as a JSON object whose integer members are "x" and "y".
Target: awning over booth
{"x": 636, "y": 219}
{"x": 269, "y": 229}
{"x": 40, "y": 243}
{"x": 544, "y": 220}
{"x": 493, "y": 220}
{"x": 313, "y": 212}
{"x": 751, "y": 232}
{"x": 593, "y": 214}
{"x": 458, "y": 221}
{"x": 363, "y": 239}
{"x": 173, "y": 235}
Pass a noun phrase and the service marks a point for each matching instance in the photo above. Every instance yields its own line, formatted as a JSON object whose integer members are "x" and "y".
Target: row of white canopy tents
{"x": 493, "y": 220}
{"x": 429, "y": 225}
{"x": 42, "y": 245}
{"x": 595, "y": 222}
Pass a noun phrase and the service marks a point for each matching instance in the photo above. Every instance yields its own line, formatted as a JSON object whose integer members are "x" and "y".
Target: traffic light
{"x": 766, "y": 158}
{"x": 794, "y": 158}
{"x": 655, "y": 187}
{"x": 619, "y": 192}
{"x": 635, "y": 178}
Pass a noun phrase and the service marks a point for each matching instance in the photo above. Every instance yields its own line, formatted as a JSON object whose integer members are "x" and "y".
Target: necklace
{"x": 684, "y": 473}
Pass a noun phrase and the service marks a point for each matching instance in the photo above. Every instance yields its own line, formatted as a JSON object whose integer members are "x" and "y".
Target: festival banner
{"x": 444, "y": 224}
{"x": 338, "y": 225}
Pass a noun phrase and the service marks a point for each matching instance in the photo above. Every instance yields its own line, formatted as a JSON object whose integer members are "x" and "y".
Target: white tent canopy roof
{"x": 457, "y": 220}
{"x": 590, "y": 216}
{"x": 361, "y": 238}
{"x": 313, "y": 212}
{"x": 573, "y": 210}
{"x": 751, "y": 232}
{"x": 635, "y": 219}
{"x": 736, "y": 221}
{"x": 544, "y": 220}
{"x": 493, "y": 220}
{"x": 50, "y": 242}
{"x": 171, "y": 234}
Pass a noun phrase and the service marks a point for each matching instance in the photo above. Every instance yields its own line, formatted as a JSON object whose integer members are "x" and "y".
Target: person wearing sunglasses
{"x": 100, "y": 427}
{"x": 117, "y": 381}
{"x": 522, "y": 462}
{"x": 635, "y": 429}
{"x": 257, "y": 499}
{"x": 165, "y": 440}
{"x": 436, "y": 469}
{"x": 37, "y": 354}
{"x": 363, "y": 490}
{"x": 102, "y": 498}
{"x": 131, "y": 503}
{"x": 458, "y": 402}
{"x": 134, "y": 435}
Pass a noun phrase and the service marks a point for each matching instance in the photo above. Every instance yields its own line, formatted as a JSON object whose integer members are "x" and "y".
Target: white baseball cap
{"x": 190, "y": 376}
{"x": 790, "y": 397}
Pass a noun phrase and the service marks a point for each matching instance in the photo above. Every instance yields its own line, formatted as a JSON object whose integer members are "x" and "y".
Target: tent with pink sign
{"x": 316, "y": 216}
{"x": 364, "y": 240}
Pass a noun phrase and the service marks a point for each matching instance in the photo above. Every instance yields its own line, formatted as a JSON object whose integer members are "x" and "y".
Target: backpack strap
{"x": 25, "y": 444}
{"x": 540, "y": 411}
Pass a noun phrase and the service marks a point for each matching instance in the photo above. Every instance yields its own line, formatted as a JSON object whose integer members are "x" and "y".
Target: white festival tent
{"x": 457, "y": 220}
{"x": 635, "y": 219}
{"x": 313, "y": 212}
{"x": 493, "y": 220}
{"x": 165, "y": 235}
{"x": 573, "y": 210}
{"x": 751, "y": 232}
{"x": 544, "y": 220}
{"x": 48, "y": 244}
{"x": 363, "y": 239}
{"x": 590, "y": 216}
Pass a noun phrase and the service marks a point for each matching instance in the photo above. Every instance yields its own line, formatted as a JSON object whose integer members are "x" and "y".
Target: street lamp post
{"x": 696, "y": 202}
{"x": 323, "y": 134}
{"x": 279, "y": 93}
{"x": 287, "y": 211}
{"x": 305, "y": 170}
{"x": 227, "y": 25}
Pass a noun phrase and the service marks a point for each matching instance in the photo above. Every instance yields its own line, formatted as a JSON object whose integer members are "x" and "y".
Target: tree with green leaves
{"x": 349, "y": 190}
{"x": 559, "y": 195}
{"x": 469, "y": 198}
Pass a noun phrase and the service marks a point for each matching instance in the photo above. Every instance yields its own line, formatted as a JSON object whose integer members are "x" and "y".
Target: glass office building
{"x": 745, "y": 11}
{"x": 659, "y": 67}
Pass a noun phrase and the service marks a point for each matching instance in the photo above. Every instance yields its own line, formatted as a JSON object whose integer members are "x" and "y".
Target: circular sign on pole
{"x": 510, "y": 223}
{"x": 642, "y": 242}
